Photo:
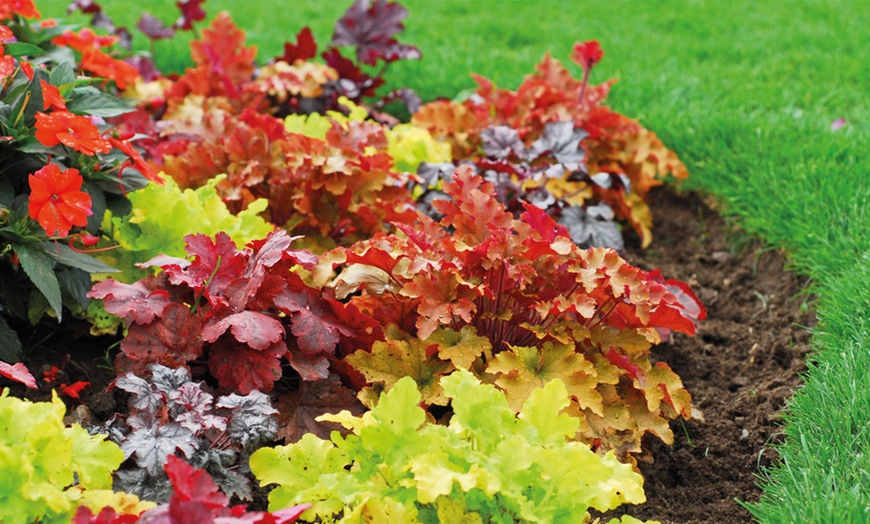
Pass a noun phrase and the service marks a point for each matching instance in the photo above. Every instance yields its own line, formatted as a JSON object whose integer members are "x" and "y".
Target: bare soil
{"x": 741, "y": 367}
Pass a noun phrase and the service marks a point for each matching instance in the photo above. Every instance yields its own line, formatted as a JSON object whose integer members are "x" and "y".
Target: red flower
{"x": 71, "y": 130}
{"x": 57, "y": 201}
{"x": 136, "y": 160}
{"x": 103, "y": 65}
{"x": 51, "y": 98}
{"x": 85, "y": 40}
{"x": 25, "y": 8}
{"x": 587, "y": 54}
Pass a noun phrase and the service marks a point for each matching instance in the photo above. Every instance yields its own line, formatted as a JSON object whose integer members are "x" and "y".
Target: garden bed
{"x": 741, "y": 367}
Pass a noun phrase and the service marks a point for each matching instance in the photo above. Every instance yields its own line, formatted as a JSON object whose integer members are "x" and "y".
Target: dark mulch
{"x": 741, "y": 367}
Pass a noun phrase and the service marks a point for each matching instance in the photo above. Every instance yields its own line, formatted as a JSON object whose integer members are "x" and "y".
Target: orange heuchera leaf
{"x": 57, "y": 201}
{"x": 75, "y": 131}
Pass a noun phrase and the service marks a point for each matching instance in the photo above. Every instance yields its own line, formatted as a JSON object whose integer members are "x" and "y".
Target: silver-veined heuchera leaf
{"x": 151, "y": 445}
{"x": 253, "y": 418}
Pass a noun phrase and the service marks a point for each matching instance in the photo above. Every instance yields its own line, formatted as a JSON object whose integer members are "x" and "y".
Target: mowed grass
{"x": 746, "y": 93}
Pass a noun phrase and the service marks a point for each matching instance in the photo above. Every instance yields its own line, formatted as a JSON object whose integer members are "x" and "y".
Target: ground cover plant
{"x": 700, "y": 140}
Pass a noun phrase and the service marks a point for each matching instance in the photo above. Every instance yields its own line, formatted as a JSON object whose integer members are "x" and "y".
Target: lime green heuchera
{"x": 45, "y": 465}
{"x": 486, "y": 465}
{"x": 162, "y": 215}
{"x": 409, "y": 145}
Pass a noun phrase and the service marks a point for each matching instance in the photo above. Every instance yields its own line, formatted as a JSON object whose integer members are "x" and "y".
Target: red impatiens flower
{"x": 103, "y": 65}
{"x": 71, "y": 130}
{"x": 84, "y": 41}
{"x": 57, "y": 201}
{"x": 25, "y": 8}
{"x": 587, "y": 54}
{"x": 51, "y": 98}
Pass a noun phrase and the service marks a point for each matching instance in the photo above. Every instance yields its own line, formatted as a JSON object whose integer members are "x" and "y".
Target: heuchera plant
{"x": 518, "y": 303}
{"x": 497, "y": 128}
{"x": 62, "y": 166}
{"x": 169, "y": 414}
{"x": 486, "y": 465}
{"x": 46, "y": 466}
{"x": 195, "y": 498}
{"x": 237, "y": 312}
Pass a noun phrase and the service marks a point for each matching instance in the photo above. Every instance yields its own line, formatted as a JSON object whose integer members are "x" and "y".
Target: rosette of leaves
{"x": 487, "y": 465}
{"x": 550, "y": 173}
{"x": 615, "y": 144}
{"x": 194, "y": 498}
{"x": 48, "y": 467}
{"x": 62, "y": 166}
{"x": 169, "y": 415}
{"x": 237, "y": 312}
{"x": 518, "y": 303}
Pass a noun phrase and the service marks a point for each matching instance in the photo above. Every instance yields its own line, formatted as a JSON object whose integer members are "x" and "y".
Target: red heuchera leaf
{"x": 216, "y": 267}
{"x": 107, "y": 515}
{"x": 316, "y": 329}
{"x": 304, "y": 49}
{"x": 193, "y": 485}
{"x": 153, "y": 27}
{"x": 244, "y": 369}
{"x": 191, "y": 11}
{"x": 18, "y": 372}
{"x": 139, "y": 302}
{"x": 253, "y": 328}
{"x": 172, "y": 340}
{"x": 371, "y": 28}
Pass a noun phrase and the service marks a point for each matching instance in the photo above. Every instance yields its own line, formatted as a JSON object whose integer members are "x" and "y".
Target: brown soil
{"x": 741, "y": 367}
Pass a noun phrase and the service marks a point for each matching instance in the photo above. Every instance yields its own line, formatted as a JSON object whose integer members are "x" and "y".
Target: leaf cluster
{"x": 237, "y": 312}
{"x": 517, "y": 302}
{"x": 195, "y": 498}
{"x": 487, "y": 465}
{"x": 170, "y": 415}
{"x": 498, "y": 130}
{"x": 47, "y": 466}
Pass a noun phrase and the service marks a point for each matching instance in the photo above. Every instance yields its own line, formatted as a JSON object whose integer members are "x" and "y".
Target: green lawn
{"x": 746, "y": 93}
